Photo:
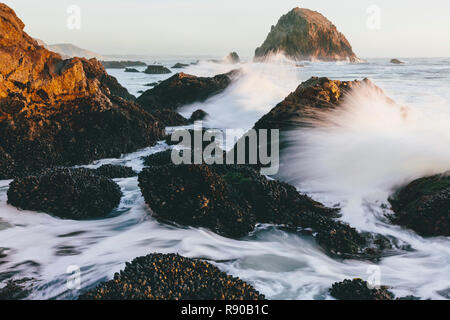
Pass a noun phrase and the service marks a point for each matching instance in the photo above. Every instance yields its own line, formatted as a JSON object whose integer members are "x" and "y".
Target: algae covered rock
{"x": 77, "y": 194}
{"x": 172, "y": 277}
{"x": 424, "y": 206}
{"x": 358, "y": 289}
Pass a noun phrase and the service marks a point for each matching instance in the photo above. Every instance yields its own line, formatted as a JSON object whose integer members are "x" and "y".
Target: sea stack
{"x": 303, "y": 34}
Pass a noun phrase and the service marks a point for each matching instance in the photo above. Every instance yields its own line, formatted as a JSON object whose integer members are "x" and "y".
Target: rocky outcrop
{"x": 17, "y": 289}
{"x": 358, "y": 289}
{"x": 182, "y": 89}
{"x": 303, "y": 34}
{"x": 233, "y": 58}
{"x": 303, "y": 106}
{"x": 76, "y": 194}
{"x": 122, "y": 64}
{"x": 115, "y": 172}
{"x": 56, "y": 112}
{"x": 396, "y": 61}
{"x": 230, "y": 200}
{"x": 198, "y": 115}
{"x": 169, "y": 117}
{"x": 180, "y": 65}
{"x": 157, "y": 69}
{"x": 172, "y": 277}
{"x": 424, "y": 206}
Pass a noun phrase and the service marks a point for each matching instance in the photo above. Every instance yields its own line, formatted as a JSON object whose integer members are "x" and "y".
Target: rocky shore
{"x": 172, "y": 277}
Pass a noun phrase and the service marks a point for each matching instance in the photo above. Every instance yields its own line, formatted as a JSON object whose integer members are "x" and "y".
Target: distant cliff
{"x": 303, "y": 34}
{"x": 71, "y": 51}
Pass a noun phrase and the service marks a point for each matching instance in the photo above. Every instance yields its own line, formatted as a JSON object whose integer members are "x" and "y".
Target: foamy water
{"x": 355, "y": 159}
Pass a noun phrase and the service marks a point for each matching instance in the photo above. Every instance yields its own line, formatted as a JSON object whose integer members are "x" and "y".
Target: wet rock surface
{"x": 230, "y": 200}
{"x": 169, "y": 117}
{"x": 198, "y": 115}
{"x": 172, "y": 277}
{"x": 303, "y": 34}
{"x": 180, "y": 65}
{"x": 77, "y": 194}
{"x": 157, "y": 69}
{"x": 397, "y": 61}
{"x": 182, "y": 89}
{"x": 233, "y": 57}
{"x": 424, "y": 206}
{"x": 115, "y": 172}
{"x": 132, "y": 70}
{"x": 358, "y": 289}
{"x": 18, "y": 289}
{"x": 56, "y": 112}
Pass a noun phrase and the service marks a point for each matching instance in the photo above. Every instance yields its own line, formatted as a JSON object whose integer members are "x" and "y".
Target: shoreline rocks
{"x": 172, "y": 277}
{"x": 397, "y": 61}
{"x": 77, "y": 194}
{"x": 424, "y": 206}
{"x": 131, "y": 70}
{"x": 115, "y": 172}
{"x": 358, "y": 289}
{"x": 303, "y": 34}
{"x": 180, "y": 65}
{"x": 182, "y": 89}
{"x": 231, "y": 200}
{"x": 157, "y": 69}
{"x": 56, "y": 112}
{"x": 233, "y": 58}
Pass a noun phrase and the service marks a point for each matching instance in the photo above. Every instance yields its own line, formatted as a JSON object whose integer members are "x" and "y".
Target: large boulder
{"x": 230, "y": 200}
{"x": 157, "y": 69}
{"x": 182, "y": 89}
{"x": 172, "y": 277}
{"x": 115, "y": 171}
{"x": 56, "y": 112}
{"x": 122, "y": 64}
{"x": 232, "y": 58}
{"x": 77, "y": 194}
{"x": 424, "y": 206}
{"x": 303, "y": 34}
{"x": 358, "y": 289}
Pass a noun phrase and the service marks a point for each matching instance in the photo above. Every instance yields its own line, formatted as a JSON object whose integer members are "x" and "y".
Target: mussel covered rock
{"x": 77, "y": 194}
{"x": 424, "y": 206}
{"x": 358, "y": 289}
{"x": 115, "y": 172}
{"x": 172, "y": 277}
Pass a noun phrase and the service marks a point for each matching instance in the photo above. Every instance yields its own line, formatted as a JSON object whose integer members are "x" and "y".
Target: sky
{"x": 375, "y": 28}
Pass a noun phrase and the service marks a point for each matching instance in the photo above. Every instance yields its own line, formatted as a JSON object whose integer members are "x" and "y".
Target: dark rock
{"x": 233, "y": 58}
{"x": 157, "y": 69}
{"x": 16, "y": 289}
{"x": 172, "y": 277}
{"x": 56, "y": 112}
{"x": 153, "y": 84}
{"x": 169, "y": 118}
{"x": 158, "y": 159}
{"x": 132, "y": 70}
{"x": 115, "y": 172}
{"x": 424, "y": 206}
{"x": 230, "y": 200}
{"x": 303, "y": 34}
{"x": 180, "y": 66}
{"x": 396, "y": 61}
{"x": 182, "y": 89}
{"x": 77, "y": 194}
{"x": 358, "y": 289}
{"x": 122, "y": 64}
{"x": 198, "y": 115}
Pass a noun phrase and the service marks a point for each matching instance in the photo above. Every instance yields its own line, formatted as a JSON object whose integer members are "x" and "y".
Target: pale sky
{"x": 408, "y": 28}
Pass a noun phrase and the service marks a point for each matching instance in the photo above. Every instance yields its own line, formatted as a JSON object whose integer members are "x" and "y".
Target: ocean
{"x": 367, "y": 150}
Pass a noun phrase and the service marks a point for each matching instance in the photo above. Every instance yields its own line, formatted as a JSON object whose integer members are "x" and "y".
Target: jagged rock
{"x": 396, "y": 61}
{"x": 233, "y": 58}
{"x": 182, "y": 89}
{"x": 230, "y": 200}
{"x": 198, "y": 115}
{"x": 180, "y": 65}
{"x": 358, "y": 289}
{"x": 158, "y": 159}
{"x": 424, "y": 206}
{"x": 132, "y": 70}
{"x": 303, "y": 34}
{"x": 56, "y": 112}
{"x": 169, "y": 118}
{"x": 77, "y": 194}
{"x": 122, "y": 64}
{"x": 115, "y": 172}
{"x": 157, "y": 69}
{"x": 172, "y": 277}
